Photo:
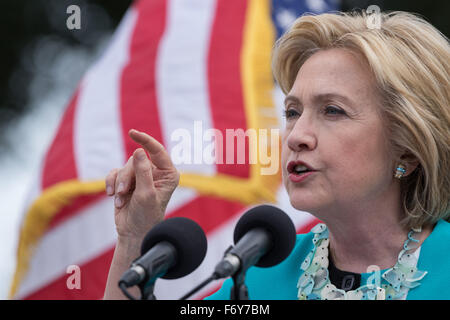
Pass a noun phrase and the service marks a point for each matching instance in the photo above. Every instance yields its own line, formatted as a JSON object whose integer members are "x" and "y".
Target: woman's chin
{"x": 303, "y": 205}
{"x": 305, "y": 199}
{"x": 306, "y": 202}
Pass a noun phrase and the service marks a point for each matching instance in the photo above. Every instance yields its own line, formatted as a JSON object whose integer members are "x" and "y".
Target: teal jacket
{"x": 280, "y": 282}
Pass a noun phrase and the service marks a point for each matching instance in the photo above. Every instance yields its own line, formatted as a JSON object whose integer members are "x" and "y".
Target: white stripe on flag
{"x": 76, "y": 241}
{"x": 180, "y": 197}
{"x": 98, "y": 141}
{"x": 182, "y": 82}
{"x": 32, "y": 194}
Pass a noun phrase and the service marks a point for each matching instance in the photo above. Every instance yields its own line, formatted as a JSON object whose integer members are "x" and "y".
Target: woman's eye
{"x": 290, "y": 113}
{"x": 330, "y": 110}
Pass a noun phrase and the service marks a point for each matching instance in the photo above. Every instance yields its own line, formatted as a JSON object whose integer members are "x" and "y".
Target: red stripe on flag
{"x": 59, "y": 162}
{"x": 209, "y": 212}
{"x": 224, "y": 76}
{"x": 93, "y": 275}
{"x": 139, "y": 109}
{"x": 75, "y": 208}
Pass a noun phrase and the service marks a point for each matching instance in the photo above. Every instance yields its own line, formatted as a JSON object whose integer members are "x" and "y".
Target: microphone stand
{"x": 239, "y": 291}
{"x": 147, "y": 290}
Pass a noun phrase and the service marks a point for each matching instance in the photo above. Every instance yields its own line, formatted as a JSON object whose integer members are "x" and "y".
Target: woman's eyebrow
{"x": 291, "y": 98}
{"x": 332, "y": 96}
{"x": 320, "y": 97}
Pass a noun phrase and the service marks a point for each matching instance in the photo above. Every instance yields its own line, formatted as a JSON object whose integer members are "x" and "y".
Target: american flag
{"x": 169, "y": 64}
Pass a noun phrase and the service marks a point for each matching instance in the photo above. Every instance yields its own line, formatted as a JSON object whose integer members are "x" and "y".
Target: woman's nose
{"x": 302, "y": 136}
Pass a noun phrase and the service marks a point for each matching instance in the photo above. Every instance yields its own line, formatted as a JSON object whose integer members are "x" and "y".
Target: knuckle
{"x": 111, "y": 175}
{"x": 144, "y": 164}
{"x": 120, "y": 180}
{"x": 176, "y": 179}
{"x": 147, "y": 173}
{"x": 118, "y": 175}
{"x": 145, "y": 196}
{"x": 110, "y": 181}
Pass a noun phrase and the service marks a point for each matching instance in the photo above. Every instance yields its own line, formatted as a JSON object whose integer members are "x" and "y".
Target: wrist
{"x": 133, "y": 236}
{"x": 127, "y": 250}
{"x": 129, "y": 243}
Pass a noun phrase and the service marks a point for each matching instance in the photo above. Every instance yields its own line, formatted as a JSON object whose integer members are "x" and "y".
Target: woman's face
{"x": 333, "y": 124}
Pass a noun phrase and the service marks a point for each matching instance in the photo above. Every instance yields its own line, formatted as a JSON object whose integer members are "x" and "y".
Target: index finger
{"x": 159, "y": 156}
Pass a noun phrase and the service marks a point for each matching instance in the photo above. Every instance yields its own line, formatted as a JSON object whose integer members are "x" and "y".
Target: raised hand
{"x": 142, "y": 188}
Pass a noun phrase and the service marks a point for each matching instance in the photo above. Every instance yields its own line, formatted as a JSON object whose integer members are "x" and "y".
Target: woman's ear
{"x": 410, "y": 162}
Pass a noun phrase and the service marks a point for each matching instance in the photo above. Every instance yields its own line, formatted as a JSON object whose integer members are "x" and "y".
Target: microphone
{"x": 172, "y": 249}
{"x": 264, "y": 236}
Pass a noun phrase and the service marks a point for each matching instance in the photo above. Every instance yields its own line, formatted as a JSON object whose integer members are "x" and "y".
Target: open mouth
{"x": 297, "y": 168}
{"x": 298, "y": 171}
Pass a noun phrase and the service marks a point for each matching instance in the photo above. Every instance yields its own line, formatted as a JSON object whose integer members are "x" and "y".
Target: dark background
{"x": 28, "y": 25}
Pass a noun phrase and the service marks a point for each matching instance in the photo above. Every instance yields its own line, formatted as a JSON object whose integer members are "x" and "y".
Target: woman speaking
{"x": 365, "y": 149}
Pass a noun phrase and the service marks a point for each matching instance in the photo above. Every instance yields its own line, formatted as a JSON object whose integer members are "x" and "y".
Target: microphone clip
{"x": 239, "y": 291}
{"x": 147, "y": 290}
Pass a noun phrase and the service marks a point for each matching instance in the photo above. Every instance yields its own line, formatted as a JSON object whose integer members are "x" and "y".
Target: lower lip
{"x": 299, "y": 177}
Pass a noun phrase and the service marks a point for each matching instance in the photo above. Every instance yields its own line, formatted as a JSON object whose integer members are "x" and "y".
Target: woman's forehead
{"x": 336, "y": 73}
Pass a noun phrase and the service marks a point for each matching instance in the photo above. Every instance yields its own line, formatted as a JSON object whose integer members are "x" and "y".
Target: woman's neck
{"x": 356, "y": 248}
{"x": 367, "y": 236}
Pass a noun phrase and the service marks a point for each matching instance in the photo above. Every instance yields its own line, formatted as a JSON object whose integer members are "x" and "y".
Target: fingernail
{"x": 121, "y": 187}
{"x": 140, "y": 154}
{"x": 109, "y": 190}
{"x": 117, "y": 201}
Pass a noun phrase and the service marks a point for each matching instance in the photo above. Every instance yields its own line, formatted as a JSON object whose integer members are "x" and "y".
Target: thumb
{"x": 143, "y": 170}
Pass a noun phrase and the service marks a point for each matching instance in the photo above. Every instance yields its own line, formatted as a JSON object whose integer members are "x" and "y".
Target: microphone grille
{"x": 188, "y": 239}
{"x": 277, "y": 223}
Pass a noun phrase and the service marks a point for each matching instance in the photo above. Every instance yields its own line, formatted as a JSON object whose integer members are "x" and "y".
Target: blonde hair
{"x": 409, "y": 59}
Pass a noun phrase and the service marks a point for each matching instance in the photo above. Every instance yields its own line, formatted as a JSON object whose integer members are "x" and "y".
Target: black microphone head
{"x": 188, "y": 239}
{"x": 277, "y": 223}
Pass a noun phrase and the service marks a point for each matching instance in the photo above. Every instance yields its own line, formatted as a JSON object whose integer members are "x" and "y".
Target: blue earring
{"x": 400, "y": 171}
